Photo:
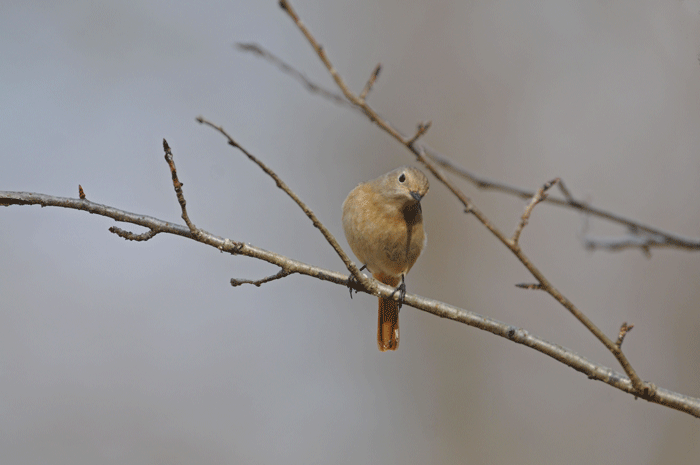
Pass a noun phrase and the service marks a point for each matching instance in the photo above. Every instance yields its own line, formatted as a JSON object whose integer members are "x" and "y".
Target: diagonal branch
{"x": 537, "y": 198}
{"x": 562, "y": 354}
{"x": 366, "y": 282}
{"x": 370, "y": 82}
{"x": 641, "y": 388}
{"x": 287, "y": 69}
{"x": 178, "y": 188}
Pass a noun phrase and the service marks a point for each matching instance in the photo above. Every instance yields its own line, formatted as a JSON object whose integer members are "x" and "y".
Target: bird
{"x": 383, "y": 224}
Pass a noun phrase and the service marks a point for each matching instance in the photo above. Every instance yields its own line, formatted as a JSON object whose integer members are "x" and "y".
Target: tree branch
{"x": 178, "y": 189}
{"x": 645, "y": 242}
{"x": 283, "y": 273}
{"x": 564, "y": 355}
{"x": 366, "y": 282}
{"x": 537, "y": 198}
{"x": 370, "y": 82}
{"x": 640, "y": 388}
{"x": 130, "y": 236}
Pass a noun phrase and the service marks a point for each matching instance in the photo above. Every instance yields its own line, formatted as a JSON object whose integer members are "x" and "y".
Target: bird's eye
{"x": 402, "y": 178}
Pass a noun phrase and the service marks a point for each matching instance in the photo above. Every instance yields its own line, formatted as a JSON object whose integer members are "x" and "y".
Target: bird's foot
{"x": 352, "y": 281}
{"x": 401, "y": 289}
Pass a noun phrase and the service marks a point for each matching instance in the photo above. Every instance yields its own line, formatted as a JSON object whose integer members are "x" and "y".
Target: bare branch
{"x": 537, "y": 198}
{"x": 130, "y": 236}
{"x": 318, "y": 48}
{"x": 671, "y": 239}
{"x": 565, "y": 192}
{"x": 629, "y": 241}
{"x": 287, "y": 69}
{"x": 326, "y": 233}
{"x": 370, "y": 82}
{"x": 649, "y": 391}
{"x": 178, "y": 188}
{"x": 640, "y": 388}
{"x": 529, "y": 286}
{"x": 624, "y": 329}
{"x": 279, "y": 275}
{"x": 422, "y": 129}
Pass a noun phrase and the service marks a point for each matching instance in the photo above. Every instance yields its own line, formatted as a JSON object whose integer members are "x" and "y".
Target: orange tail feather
{"x": 388, "y": 325}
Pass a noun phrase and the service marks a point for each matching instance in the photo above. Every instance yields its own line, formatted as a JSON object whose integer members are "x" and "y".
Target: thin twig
{"x": 370, "y": 82}
{"x": 529, "y": 286}
{"x": 422, "y": 129}
{"x": 565, "y": 192}
{"x": 628, "y": 241}
{"x": 131, "y": 236}
{"x": 178, "y": 188}
{"x": 537, "y": 198}
{"x": 671, "y": 239}
{"x": 279, "y": 275}
{"x": 624, "y": 329}
{"x": 564, "y": 355}
{"x": 287, "y": 69}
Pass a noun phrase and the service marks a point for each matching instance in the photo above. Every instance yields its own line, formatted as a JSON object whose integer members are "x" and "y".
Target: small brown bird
{"x": 383, "y": 224}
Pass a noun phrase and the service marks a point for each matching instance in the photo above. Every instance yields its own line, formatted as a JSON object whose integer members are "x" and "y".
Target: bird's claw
{"x": 352, "y": 280}
{"x": 401, "y": 289}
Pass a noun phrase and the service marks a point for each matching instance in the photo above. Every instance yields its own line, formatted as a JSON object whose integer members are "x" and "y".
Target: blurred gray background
{"x": 120, "y": 352}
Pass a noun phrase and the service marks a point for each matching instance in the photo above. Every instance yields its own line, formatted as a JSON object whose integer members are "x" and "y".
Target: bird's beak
{"x": 416, "y": 196}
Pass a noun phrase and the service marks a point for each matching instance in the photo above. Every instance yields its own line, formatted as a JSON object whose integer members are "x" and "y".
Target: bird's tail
{"x": 388, "y": 324}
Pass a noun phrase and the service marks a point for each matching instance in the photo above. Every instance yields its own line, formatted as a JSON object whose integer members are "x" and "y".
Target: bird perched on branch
{"x": 383, "y": 224}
